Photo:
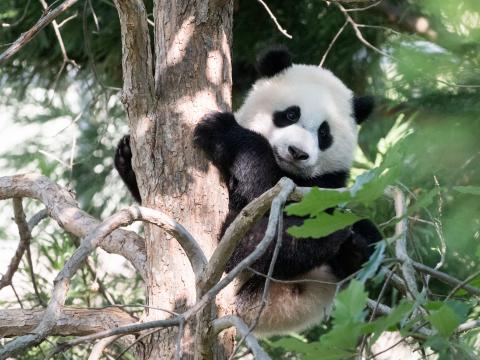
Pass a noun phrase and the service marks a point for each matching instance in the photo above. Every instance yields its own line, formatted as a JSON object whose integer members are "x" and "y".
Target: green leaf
{"x": 444, "y": 318}
{"x": 371, "y": 266}
{"x": 350, "y": 303}
{"x": 423, "y": 201}
{"x": 387, "y": 322}
{"x": 472, "y": 190}
{"x": 316, "y": 201}
{"x": 323, "y": 224}
{"x": 371, "y": 184}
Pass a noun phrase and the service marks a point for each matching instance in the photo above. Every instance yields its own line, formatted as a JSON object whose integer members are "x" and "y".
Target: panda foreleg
{"x": 123, "y": 164}
{"x": 357, "y": 250}
{"x": 213, "y": 134}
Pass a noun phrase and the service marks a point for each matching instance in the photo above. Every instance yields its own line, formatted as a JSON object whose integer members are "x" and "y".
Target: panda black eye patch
{"x": 286, "y": 117}
{"x": 325, "y": 138}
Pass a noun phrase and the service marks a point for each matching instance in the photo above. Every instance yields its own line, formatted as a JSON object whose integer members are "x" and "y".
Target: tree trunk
{"x": 164, "y": 99}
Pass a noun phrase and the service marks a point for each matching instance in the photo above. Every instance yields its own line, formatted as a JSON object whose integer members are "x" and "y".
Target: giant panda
{"x": 298, "y": 121}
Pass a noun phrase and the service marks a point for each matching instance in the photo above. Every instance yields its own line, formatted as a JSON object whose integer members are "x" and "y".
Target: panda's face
{"x": 305, "y": 112}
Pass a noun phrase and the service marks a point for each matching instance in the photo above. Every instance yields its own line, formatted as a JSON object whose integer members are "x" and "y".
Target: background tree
{"x": 420, "y": 60}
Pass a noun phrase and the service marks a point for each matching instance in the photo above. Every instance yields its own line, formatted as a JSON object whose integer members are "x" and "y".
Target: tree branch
{"x": 447, "y": 279}
{"x": 71, "y": 321}
{"x": 27, "y": 36}
{"x": 185, "y": 239}
{"x": 62, "y": 207}
{"x": 62, "y": 282}
{"x": 401, "y": 229}
{"x": 25, "y": 237}
{"x": 287, "y": 187}
{"x": 236, "y": 231}
{"x": 122, "y": 330}
{"x": 242, "y": 328}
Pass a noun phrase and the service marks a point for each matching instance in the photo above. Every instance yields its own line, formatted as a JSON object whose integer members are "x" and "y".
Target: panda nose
{"x": 297, "y": 154}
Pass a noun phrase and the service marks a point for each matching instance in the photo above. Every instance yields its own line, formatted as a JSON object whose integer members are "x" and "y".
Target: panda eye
{"x": 286, "y": 117}
{"x": 291, "y": 115}
{"x": 325, "y": 138}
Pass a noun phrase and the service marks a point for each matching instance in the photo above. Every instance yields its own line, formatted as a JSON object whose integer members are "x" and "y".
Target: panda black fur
{"x": 272, "y": 136}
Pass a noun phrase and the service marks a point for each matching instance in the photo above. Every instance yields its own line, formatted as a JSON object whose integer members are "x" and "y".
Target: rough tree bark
{"x": 164, "y": 96}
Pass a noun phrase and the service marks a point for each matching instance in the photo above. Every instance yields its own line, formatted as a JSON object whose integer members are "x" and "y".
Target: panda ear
{"x": 362, "y": 107}
{"x": 273, "y": 61}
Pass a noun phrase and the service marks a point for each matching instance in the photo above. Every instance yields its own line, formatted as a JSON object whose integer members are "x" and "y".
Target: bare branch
{"x": 401, "y": 229}
{"x": 25, "y": 237}
{"x": 274, "y": 19}
{"x": 101, "y": 345}
{"x": 27, "y": 36}
{"x": 236, "y": 231}
{"x": 58, "y": 35}
{"x": 252, "y": 343}
{"x": 447, "y": 279}
{"x": 122, "y": 330}
{"x": 357, "y": 31}
{"x": 324, "y": 57}
{"x": 72, "y": 321}
{"x": 287, "y": 187}
{"x": 365, "y": 7}
{"x": 469, "y": 325}
{"x": 62, "y": 282}
{"x": 187, "y": 242}
{"x": 62, "y": 207}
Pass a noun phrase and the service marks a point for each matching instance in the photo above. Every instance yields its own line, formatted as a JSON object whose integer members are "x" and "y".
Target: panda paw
{"x": 123, "y": 155}
{"x": 212, "y": 130}
{"x": 123, "y": 164}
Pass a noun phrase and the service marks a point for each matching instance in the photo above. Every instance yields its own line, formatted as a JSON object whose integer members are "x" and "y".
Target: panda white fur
{"x": 298, "y": 121}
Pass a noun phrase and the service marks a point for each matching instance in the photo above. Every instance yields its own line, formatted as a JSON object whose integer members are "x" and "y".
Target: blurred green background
{"x": 63, "y": 117}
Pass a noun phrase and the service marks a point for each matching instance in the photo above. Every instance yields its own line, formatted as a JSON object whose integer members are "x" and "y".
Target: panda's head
{"x": 307, "y": 114}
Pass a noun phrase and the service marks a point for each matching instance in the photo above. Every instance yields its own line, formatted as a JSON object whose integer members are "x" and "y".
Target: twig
{"x": 100, "y": 345}
{"x": 66, "y": 59}
{"x": 236, "y": 231}
{"x": 401, "y": 228}
{"x": 137, "y": 340}
{"x": 374, "y": 310}
{"x": 16, "y": 295}
{"x": 27, "y": 36}
{"x": 447, "y": 279}
{"x": 263, "y": 302}
{"x": 252, "y": 343}
{"x": 337, "y": 35}
{"x": 25, "y": 237}
{"x": 34, "y": 220}
{"x": 123, "y": 330}
{"x": 272, "y": 16}
{"x": 178, "y": 345}
{"x": 469, "y": 325}
{"x": 365, "y": 7}
{"x": 357, "y": 31}
{"x": 378, "y": 308}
